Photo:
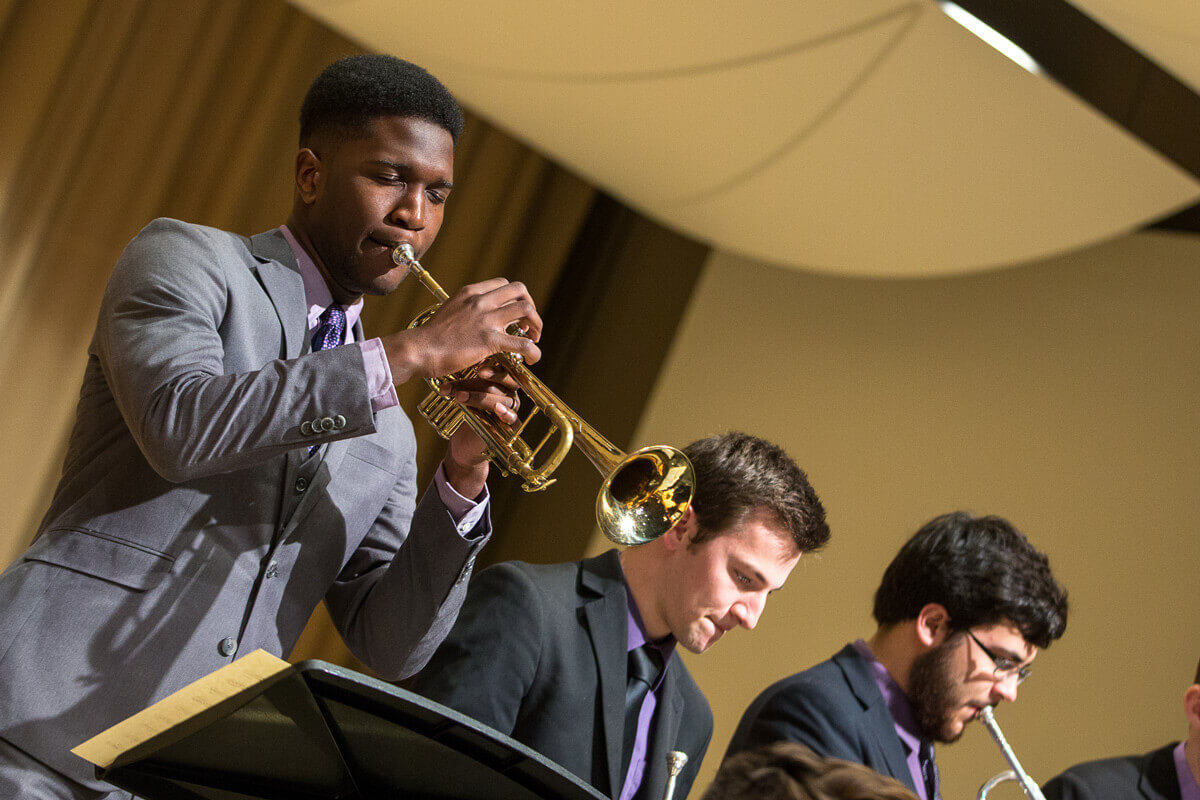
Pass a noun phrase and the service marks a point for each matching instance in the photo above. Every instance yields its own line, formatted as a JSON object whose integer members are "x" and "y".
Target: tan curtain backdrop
{"x": 120, "y": 111}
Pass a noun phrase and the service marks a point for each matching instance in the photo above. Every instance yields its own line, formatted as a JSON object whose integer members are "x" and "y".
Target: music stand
{"x": 316, "y": 731}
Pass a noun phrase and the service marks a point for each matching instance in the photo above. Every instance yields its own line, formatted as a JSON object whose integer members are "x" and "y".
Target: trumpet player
{"x": 1168, "y": 773}
{"x": 578, "y": 660}
{"x": 962, "y": 611}
{"x": 238, "y": 454}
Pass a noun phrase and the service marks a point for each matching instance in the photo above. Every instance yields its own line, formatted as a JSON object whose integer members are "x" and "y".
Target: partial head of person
{"x": 790, "y": 771}
{"x": 1191, "y": 709}
{"x": 963, "y": 609}
{"x": 753, "y": 515}
{"x": 374, "y": 169}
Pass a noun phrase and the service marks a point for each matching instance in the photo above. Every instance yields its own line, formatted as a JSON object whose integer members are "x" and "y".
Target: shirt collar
{"x": 1188, "y": 788}
{"x": 895, "y": 698}
{"x": 317, "y": 296}
{"x": 636, "y": 635}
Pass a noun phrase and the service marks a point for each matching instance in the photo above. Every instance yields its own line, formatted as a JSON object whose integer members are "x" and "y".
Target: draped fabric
{"x": 122, "y": 111}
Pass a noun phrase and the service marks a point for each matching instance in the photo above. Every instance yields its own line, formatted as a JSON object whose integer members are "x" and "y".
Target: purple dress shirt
{"x": 317, "y": 297}
{"x": 902, "y": 716}
{"x": 636, "y": 638}
{"x": 1188, "y": 788}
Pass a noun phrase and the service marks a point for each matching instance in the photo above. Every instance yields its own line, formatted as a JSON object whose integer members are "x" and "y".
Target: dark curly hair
{"x": 982, "y": 570}
{"x": 738, "y": 474}
{"x": 790, "y": 771}
{"x": 352, "y": 91}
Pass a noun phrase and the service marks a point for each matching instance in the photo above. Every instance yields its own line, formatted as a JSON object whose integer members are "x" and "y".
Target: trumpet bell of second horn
{"x": 648, "y": 492}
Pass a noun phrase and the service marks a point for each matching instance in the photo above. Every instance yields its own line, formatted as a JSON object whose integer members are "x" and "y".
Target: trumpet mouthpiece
{"x": 403, "y": 255}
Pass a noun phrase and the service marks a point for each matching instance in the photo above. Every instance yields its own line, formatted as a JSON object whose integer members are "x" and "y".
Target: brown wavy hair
{"x": 791, "y": 771}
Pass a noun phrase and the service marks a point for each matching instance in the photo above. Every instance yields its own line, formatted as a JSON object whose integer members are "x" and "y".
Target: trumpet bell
{"x": 645, "y": 495}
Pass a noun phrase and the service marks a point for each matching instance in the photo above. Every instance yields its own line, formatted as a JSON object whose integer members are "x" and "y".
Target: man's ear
{"x": 309, "y": 175}
{"x": 679, "y": 535}
{"x": 1191, "y": 707}
{"x": 933, "y": 624}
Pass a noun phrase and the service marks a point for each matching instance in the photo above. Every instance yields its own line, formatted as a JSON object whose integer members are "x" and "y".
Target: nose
{"x": 409, "y": 211}
{"x": 747, "y": 610}
{"x": 1006, "y": 688}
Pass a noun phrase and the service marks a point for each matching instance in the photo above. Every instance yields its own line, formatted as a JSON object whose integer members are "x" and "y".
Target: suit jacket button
{"x": 327, "y": 424}
{"x": 227, "y": 646}
{"x": 306, "y": 428}
{"x": 301, "y": 484}
{"x": 339, "y": 422}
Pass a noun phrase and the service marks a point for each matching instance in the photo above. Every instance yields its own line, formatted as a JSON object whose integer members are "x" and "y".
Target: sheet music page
{"x": 104, "y": 748}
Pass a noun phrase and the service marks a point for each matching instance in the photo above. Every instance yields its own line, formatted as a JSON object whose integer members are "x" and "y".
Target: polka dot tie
{"x": 331, "y": 328}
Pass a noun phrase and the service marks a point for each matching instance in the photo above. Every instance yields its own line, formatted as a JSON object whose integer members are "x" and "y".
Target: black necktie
{"x": 645, "y": 663}
{"x": 929, "y": 770}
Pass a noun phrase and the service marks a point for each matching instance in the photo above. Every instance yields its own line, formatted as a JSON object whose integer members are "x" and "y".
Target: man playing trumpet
{"x": 238, "y": 454}
{"x": 962, "y": 610}
{"x": 577, "y": 660}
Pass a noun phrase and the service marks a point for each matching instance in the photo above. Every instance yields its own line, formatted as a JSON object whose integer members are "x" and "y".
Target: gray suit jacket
{"x": 1149, "y": 777}
{"x": 836, "y": 709}
{"x": 539, "y": 654}
{"x": 190, "y": 517}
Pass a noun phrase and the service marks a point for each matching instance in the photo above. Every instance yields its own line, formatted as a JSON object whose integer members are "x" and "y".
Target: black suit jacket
{"x": 539, "y": 654}
{"x": 836, "y": 709}
{"x": 1151, "y": 776}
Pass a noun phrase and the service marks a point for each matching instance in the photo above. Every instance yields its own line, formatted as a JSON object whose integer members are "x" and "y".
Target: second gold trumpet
{"x": 643, "y": 494}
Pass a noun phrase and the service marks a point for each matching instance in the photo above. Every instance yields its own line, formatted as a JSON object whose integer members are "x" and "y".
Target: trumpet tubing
{"x": 643, "y": 493}
{"x": 1016, "y": 773}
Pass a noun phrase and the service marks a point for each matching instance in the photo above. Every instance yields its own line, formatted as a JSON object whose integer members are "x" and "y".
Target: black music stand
{"x": 316, "y": 731}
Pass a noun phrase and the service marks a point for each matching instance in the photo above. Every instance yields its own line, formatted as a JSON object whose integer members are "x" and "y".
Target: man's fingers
{"x": 502, "y": 405}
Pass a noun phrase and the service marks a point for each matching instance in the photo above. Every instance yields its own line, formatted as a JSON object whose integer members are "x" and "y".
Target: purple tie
{"x": 331, "y": 327}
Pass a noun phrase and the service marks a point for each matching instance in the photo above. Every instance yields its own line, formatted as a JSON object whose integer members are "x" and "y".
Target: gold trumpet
{"x": 644, "y": 493}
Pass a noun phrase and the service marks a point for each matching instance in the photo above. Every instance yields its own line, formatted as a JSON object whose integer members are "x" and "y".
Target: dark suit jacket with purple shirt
{"x": 836, "y": 709}
{"x": 1148, "y": 777}
{"x": 539, "y": 653}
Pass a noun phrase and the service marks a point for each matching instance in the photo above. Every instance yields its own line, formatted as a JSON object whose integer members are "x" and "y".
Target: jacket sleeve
{"x": 399, "y": 594}
{"x": 488, "y": 662}
{"x": 159, "y": 342}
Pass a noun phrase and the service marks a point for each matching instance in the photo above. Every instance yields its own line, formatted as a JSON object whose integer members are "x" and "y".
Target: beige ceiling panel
{"x": 571, "y": 38}
{"x": 1167, "y": 31}
{"x": 658, "y": 139}
{"x": 951, "y": 159}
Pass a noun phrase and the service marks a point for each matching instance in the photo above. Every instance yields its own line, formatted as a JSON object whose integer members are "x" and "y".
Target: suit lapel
{"x": 881, "y": 724}
{"x": 335, "y": 452}
{"x": 606, "y": 619}
{"x": 666, "y": 732}
{"x": 280, "y": 277}
{"x": 1159, "y": 780}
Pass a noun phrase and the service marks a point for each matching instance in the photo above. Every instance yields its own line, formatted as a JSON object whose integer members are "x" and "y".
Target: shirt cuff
{"x": 380, "y": 387}
{"x": 465, "y": 513}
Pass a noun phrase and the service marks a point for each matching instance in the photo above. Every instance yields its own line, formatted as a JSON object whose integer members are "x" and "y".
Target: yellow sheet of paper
{"x": 104, "y": 748}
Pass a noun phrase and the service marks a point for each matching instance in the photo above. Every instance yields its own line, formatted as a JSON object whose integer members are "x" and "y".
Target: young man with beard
{"x": 578, "y": 661}
{"x": 962, "y": 610}
{"x": 1168, "y": 773}
{"x": 239, "y": 454}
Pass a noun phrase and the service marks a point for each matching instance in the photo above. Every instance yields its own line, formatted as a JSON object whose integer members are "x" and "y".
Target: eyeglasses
{"x": 1005, "y": 667}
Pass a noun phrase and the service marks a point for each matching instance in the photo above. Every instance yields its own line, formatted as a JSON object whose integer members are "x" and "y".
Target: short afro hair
{"x": 352, "y": 91}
